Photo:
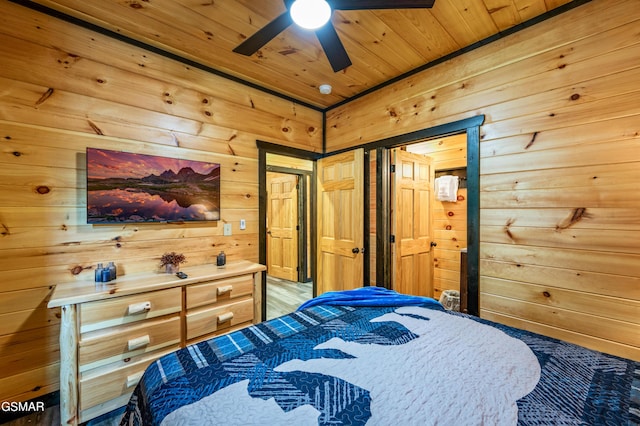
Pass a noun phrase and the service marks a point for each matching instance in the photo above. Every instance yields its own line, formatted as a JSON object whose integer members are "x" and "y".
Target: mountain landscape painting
{"x": 128, "y": 187}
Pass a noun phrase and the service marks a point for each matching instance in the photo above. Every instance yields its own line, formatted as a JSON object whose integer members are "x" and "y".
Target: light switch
{"x": 226, "y": 229}
{"x": 243, "y": 224}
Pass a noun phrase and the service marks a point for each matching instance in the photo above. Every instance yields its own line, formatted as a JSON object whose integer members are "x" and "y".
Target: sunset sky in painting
{"x": 103, "y": 164}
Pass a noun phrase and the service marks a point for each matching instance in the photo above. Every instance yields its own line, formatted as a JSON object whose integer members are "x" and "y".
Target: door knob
{"x": 355, "y": 250}
{"x": 433, "y": 244}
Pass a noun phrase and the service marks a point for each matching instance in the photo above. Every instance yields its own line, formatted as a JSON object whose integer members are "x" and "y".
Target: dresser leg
{"x": 257, "y": 297}
{"x": 68, "y": 366}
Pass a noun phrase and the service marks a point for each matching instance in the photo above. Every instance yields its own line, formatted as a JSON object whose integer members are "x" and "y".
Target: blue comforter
{"x": 274, "y": 367}
{"x": 368, "y": 296}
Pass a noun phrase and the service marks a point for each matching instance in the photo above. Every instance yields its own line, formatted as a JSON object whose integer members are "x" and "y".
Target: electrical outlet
{"x": 243, "y": 224}
{"x": 226, "y": 229}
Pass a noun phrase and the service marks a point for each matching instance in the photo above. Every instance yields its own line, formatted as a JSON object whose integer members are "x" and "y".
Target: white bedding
{"x": 463, "y": 373}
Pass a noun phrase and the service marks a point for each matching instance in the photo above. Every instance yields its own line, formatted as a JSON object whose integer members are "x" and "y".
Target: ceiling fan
{"x": 321, "y": 10}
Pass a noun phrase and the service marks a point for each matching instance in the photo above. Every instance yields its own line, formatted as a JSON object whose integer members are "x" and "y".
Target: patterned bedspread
{"x": 385, "y": 365}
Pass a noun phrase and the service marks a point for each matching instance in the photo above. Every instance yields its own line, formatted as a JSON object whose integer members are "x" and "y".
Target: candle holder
{"x": 221, "y": 260}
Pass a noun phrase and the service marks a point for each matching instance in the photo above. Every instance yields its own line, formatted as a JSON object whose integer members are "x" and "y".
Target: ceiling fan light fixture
{"x": 310, "y": 14}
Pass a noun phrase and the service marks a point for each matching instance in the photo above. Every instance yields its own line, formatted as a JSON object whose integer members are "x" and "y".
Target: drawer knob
{"x": 139, "y": 308}
{"x": 224, "y": 289}
{"x": 225, "y": 317}
{"x": 139, "y": 342}
{"x": 133, "y": 379}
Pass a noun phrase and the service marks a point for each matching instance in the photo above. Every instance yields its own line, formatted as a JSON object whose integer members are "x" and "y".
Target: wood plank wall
{"x": 64, "y": 88}
{"x": 560, "y": 166}
{"x": 449, "y": 219}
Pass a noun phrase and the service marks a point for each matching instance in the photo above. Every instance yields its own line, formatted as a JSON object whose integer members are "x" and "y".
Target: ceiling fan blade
{"x": 380, "y": 4}
{"x": 264, "y": 35}
{"x": 333, "y": 47}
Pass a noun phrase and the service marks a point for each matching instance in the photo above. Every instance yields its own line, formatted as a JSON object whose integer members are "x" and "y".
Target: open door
{"x": 282, "y": 226}
{"x": 340, "y": 188}
{"x": 411, "y": 194}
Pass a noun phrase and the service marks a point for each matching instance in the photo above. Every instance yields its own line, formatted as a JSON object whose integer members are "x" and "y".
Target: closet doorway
{"x": 427, "y": 235}
{"x": 448, "y": 219}
{"x": 412, "y": 245}
{"x": 454, "y": 150}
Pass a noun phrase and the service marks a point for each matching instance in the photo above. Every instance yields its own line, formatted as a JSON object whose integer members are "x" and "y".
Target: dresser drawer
{"x": 219, "y": 291}
{"x": 108, "y": 345}
{"x": 127, "y": 309}
{"x": 105, "y": 384}
{"x": 218, "y": 318}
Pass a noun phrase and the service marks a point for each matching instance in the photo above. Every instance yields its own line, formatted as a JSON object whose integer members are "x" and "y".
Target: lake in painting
{"x": 127, "y": 187}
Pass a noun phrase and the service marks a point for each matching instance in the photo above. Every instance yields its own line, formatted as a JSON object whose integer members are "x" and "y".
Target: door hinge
{"x": 392, "y": 238}
{"x": 393, "y": 168}
{"x": 297, "y": 227}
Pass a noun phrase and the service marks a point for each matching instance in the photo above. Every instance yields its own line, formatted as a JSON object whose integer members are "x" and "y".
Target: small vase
{"x": 221, "y": 260}
{"x": 170, "y": 268}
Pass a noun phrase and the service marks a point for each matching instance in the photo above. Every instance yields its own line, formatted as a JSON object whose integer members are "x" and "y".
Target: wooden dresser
{"x": 110, "y": 332}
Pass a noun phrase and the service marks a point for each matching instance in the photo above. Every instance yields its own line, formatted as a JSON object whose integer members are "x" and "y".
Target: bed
{"x": 372, "y": 356}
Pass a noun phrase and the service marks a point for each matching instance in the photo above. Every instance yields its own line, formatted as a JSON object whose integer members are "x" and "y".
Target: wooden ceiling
{"x": 382, "y": 44}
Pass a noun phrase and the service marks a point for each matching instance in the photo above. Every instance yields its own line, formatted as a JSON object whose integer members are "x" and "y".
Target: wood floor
{"x": 283, "y": 297}
{"x": 51, "y": 417}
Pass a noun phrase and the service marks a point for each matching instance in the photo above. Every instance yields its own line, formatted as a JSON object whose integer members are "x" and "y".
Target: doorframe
{"x": 470, "y": 126}
{"x": 265, "y": 148}
{"x": 303, "y": 226}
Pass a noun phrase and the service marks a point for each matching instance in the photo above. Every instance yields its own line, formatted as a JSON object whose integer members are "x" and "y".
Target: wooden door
{"x": 411, "y": 196}
{"x": 282, "y": 224}
{"x": 340, "y": 185}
